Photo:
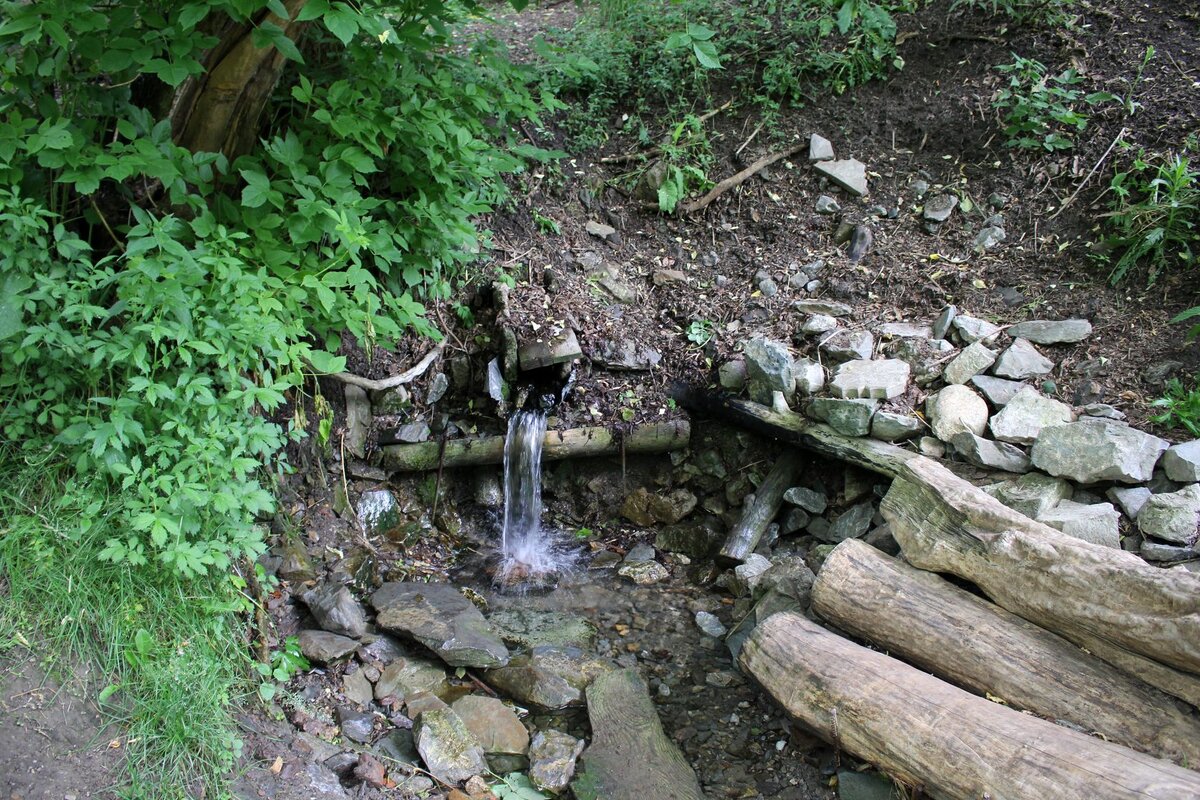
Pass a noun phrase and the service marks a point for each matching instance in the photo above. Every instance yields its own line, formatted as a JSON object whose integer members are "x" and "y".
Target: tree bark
{"x": 768, "y": 497}
{"x": 658, "y": 437}
{"x": 967, "y": 641}
{"x": 945, "y": 524}
{"x": 630, "y": 757}
{"x": 932, "y": 735}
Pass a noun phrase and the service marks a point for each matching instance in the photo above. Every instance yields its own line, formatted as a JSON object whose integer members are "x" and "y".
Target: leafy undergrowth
{"x": 173, "y": 651}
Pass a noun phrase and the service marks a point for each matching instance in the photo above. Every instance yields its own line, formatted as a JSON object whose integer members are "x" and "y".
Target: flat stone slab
{"x": 987, "y": 454}
{"x": 408, "y": 675}
{"x": 939, "y": 207}
{"x": 969, "y": 363}
{"x": 527, "y": 627}
{"x": 847, "y": 417}
{"x": 905, "y": 330}
{"x": 1172, "y": 517}
{"x": 321, "y": 647}
{"x": 973, "y": 329}
{"x": 1043, "y": 331}
{"x": 881, "y": 379}
{"x": 1093, "y": 450}
{"x": 549, "y": 677}
{"x": 496, "y": 726}
{"x": 769, "y": 370}
{"x": 956, "y": 409}
{"x": 439, "y": 617}
{"x": 1182, "y": 462}
{"x": 1098, "y": 523}
{"x": 557, "y": 349}
{"x": 1032, "y": 494}
{"x": 827, "y": 307}
{"x": 819, "y": 148}
{"x": 1022, "y": 360}
{"x": 889, "y": 426}
{"x": 850, "y": 174}
{"x": 1131, "y": 499}
{"x": 808, "y": 499}
{"x": 450, "y": 751}
{"x": 1024, "y": 417}
{"x": 848, "y": 345}
{"x": 998, "y": 391}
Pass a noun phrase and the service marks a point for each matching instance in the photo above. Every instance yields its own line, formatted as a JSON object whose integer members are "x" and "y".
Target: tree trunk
{"x": 963, "y": 639}
{"x": 630, "y": 757}
{"x": 930, "y": 734}
{"x": 758, "y": 515}
{"x": 945, "y": 524}
{"x": 658, "y": 437}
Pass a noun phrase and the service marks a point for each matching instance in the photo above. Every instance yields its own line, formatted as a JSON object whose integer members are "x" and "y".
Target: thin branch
{"x": 738, "y": 179}
{"x": 1088, "y": 177}
{"x": 396, "y": 380}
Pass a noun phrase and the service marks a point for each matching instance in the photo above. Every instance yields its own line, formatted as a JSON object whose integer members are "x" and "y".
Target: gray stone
{"x": 1093, "y": 450}
{"x": 732, "y": 375}
{"x": 295, "y": 565}
{"x": 1042, "y": 331}
{"x": 552, "y": 756}
{"x": 600, "y": 230}
{"x": 828, "y": 307}
{"x": 1182, "y": 462}
{"x": 851, "y": 524}
{"x": 850, "y": 174}
{"x": 817, "y": 324}
{"x": 768, "y": 287}
{"x": 548, "y": 677}
{"x": 939, "y": 207}
{"x": 998, "y": 391}
{"x": 408, "y": 675}
{"x": 1103, "y": 410}
{"x": 378, "y": 511}
{"x": 554, "y": 348}
{"x": 919, "y": 187}
{"x": 497, "y": 387}
{"x": 438, "y": 387}
{"x": 336, "y": 610}
{"x": 905, "y": 330}
{"x": 1033, "y": 494}
{"x": 931, "y": 447}
{"x": 494, "y": 725}
{"x": 972, "y": 329}
{"x": 945, "y": 318}
{"x": 1022, "y": 360}
{"x": 398, "y": 746}
{"x": 747, "y": 575}
{"x": 788, "y": 580}
{"x": 1131, "y": 499}
{"x": 450, "y": 752}
{"x": 810, "y": 500}
{"x": 357, "y": 688}
{"x": 794, "y": 521}
{"x": 322, "y": 647}
{"x": 640, "y": 552}
{"x": 853, "y": 785}
{"x": 969, "y": 363}
{"x": 710, "y": 625}
{"x": 925, "y": 356}
{"x": 861, "y": 240}
{"x": 357, "y": 726}
{"x": 1026, "y": 414}
{"x": 413, "y": 432}
{"x": 694, "y": 539}
{"x": 889, "y": 426}
{"x": 768, "y": 370}
{"x": 848, "y": 345}
{"x": 527, "y": 627}
{"x": 847, "y": 417}
{"x": 1166, "y": 553}
{"x": 1172, "y": 517}
{"x": 989, "y": 238}
{"x": 990, "y": 455}
{"x": 439, "y": 617}
{"x": 1097, "y": 523}
{"x": 644, "y": 573}
{"x": 827, "y": 205}
{"x": 882, "y": 379}
{"x": 819, "y": 148}
{"x": 358, "y": 419}
{"x": 626, "y": 355}
{"x": 956, "y": 409}
{"x": 810, "y": 376}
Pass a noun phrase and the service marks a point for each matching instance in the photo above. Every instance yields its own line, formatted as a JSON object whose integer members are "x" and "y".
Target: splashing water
{"x": 529, "y": 554}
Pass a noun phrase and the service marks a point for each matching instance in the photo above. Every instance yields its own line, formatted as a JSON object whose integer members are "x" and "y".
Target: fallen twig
{"x": 736, "y": 180}
{"x": 396, "y": 380}
{"x": 1088, "y": 177}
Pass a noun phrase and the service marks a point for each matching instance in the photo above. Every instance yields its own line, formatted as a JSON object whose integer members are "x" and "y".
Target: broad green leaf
{"x": 342, "y": 22}
{"x": 326, "y": 363}
{"x": 699, "y": 32}
{"x": 706, "y": 54}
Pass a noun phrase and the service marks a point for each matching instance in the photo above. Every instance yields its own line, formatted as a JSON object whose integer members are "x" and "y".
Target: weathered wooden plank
{"x": 768, "y": 497}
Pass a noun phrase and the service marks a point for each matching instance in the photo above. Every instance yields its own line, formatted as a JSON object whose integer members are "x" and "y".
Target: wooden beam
{"x": 768, "y": 497}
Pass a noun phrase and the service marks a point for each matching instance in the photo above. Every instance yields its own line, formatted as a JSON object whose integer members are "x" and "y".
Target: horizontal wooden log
{"x": 768, "y": 497}
{"x": 656, "y": 437}
{"x": 1183, "y": 685}
{"x": 945, "y": 524}
{"x": 631, "y": 757}
{"x": 943, "y": 739}
{"x": 972, "y": 643}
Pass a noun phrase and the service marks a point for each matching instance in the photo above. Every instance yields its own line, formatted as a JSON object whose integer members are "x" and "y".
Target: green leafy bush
{"x": 1040, "y": 110}
{"x": 1021, "y": 12}
{"x": 1180, "y": 407}
{"x": 1155, "y": 217}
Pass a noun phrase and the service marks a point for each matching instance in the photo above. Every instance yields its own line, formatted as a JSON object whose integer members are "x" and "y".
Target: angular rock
{"x": 295, "y": 565}
{"x": 881, "y": 379}
{"x": 1166, "y": 553}
{"x": 1103, "y": 410}
{"x": 643, "y": 508}
{"x": 998, "y": 391}
{"x": 357, "y": 688}
{"x": 939, "y": 207}
{"x": 1026, "y": 414}
{"x": 827, "y": 307}
{"x": 439, "y": 617}
{"x": 789, "y": 579}
{"x": 552, "y": 757}
{"x": 1022, "y": 360}
{"x": 358, "y": 419}
{"x": 1182, "y": 462}
{"x": 810, "y": 376}
{"x": 956, "y": 409}
{"x": 972, "y": 329}
{"x": 1173, "y": 517}
{"x": 905, "y": 330}
{"x": 889, "y": 426}
{"x": 336, "y": 610}
{"x": 450, "y": 752}
{"x": 527, "y": 627}
{"x": 1093, "y": 450}
{"x": 357, "y": 726}
{"x": 848, "y": 345}
{"x": 732, "y": 375}
{"x": 548, "y": 677}
{"x": 697, "y": 539}
{"x": 768, "y": 370}
{"x": 851, "y": 524}
{"x": 1098, "y": 523}
{"x": 643, "y": 573}
{"x": 600, "y": 230}
{"x": 808, "y": 499}
{"x": 747, "y": 575}
{"x": 850, "y": 174}
{"x": 626, "y": 355}
{"x": 322, "y": 647}
{"x": 1131, "y": 500}
{"x": 794, "y": 521}
{"x": 941, "y": 325}
{"x": 969, "y": 363}
{"x": 710, "y": 625}
{"x": 861, "y": 240}
{"x": 989, "y": 237}
{"x": 494, "y": 725}
{"x": 987, "y": 454}
{"x": 560, "y": 348}
{"x": 827, "y": 205}
{"x": 847, "y": 417}
{"x": 408, "y": 675}
{"x": 819, "y": 148}
{"x": 925, "y": 356}
{"x": 1033, "y": 494}
{"x": 378, "y": 511}
{"x": 816, "y": 324}
{"x": 1041, "y": 331}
